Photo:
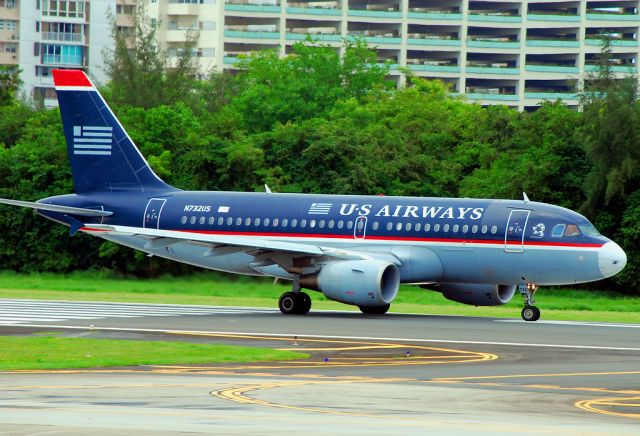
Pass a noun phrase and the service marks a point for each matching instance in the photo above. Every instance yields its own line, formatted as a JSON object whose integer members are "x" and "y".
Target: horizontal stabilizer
{"x": 79, "y": 211}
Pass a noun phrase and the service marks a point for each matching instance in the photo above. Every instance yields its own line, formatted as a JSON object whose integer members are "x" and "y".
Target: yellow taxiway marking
{"x": 601, "y": 405}
{"x": 597, "y": 405}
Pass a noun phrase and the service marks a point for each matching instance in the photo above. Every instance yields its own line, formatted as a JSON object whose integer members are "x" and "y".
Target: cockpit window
{"x": 589, "y": 231}
{"x": 571, "y": 230}
{"x": 558, "y": 230}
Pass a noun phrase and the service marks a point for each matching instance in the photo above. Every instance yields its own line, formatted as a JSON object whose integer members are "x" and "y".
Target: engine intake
{"x": 366, "y": 283}
{"x": 478, "y": 294}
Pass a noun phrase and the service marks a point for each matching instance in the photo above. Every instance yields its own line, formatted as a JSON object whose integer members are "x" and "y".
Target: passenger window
{"x": 229, "y": 221}
{"x": 389, "y": 225}
{"x": 484, "y": 229}
{"x": 427, "y": 227}
{"x": 445, "y": 228}
{"x": 331, "y": 223}
{"x": 238, "y": 221}
{"x": 294, "y": 223}
{"x": 456, "y": 227}
{"x": 220, "y": 221}
{"x": 558, "y": 230}
{"x": 349, "y": 225}
{"x": 465, "y": 228}
{"x": 375, "y": 225}
{"x": 275, "y": 222}
{"x": 312, "y": 224}
{"x": 340, "y": 224}
{"x": 202, "y": 220}
{"x": 494, "y": 230}
{"x": 398, "y": 226}
{"x": 572, "y": 230}
{"x": 436, "y": 228}
{"x": 407, "y": 227}
{"x": 266, "y": 222}
{"x": 192, "y": 220}
{"x": 256, "y": 222}
{"x": 211, "y": 220}
{"x": 474, "y": 229}
{"x": 285, "y": 222}
{"x": 303, "y": 223}
{"x": 418, "y": 227}
{"x": 247, "y": 222}
{"x": 183, "y": 220}
{"x": 360, "y": 225}
{"x": 321, "y": 224}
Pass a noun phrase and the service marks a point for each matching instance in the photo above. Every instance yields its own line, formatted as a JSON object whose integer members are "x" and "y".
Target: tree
{"x": 9, "y": 84}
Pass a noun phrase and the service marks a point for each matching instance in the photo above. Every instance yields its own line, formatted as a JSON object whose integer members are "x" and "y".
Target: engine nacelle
{"x": 359, "y": 282}
{"x": 478, "y": 294}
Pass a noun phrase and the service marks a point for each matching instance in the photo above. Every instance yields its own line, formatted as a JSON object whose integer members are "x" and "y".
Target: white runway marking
{"x": 576, "y": 323}
{"x": 21, "y": 312}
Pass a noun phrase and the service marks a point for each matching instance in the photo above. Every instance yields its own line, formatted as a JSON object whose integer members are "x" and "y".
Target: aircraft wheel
{"x": 288, "y": 303}
{"x": 304, "y": 302}
{"x": 530, "y": 313}
{"x": 374, "y": 310}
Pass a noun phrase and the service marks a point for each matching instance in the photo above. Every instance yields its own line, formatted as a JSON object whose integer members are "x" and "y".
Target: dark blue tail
{"x": 103, "y": 157}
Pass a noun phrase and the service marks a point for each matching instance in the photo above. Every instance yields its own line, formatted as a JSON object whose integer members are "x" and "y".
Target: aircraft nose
{"x": 611, "y": 259}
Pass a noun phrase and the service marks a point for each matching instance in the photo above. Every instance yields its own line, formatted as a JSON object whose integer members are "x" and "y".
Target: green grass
{"x": 215, "y": 289}
{"x": 48, "y": 352}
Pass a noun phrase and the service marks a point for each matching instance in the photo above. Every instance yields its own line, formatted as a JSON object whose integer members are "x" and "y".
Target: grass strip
{"x": 49, "y": 352}
{"x": 212, "y": 289}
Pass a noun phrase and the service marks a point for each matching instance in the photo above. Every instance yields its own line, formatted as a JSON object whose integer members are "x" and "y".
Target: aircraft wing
{"x": 167, "y": 238}
{"x": 79, "y": 211}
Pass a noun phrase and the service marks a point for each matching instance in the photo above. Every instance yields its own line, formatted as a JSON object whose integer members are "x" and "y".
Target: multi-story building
{"x": 517, "y": 53}
{"x": 40, "y": 35}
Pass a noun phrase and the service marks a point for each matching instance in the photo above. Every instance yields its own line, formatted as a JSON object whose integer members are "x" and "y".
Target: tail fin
{"x": 103, "y": 156}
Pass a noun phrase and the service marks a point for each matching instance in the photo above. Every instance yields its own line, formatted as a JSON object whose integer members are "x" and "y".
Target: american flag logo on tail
{"x": 320, "y": 208}
{"x": 92, "y": 140}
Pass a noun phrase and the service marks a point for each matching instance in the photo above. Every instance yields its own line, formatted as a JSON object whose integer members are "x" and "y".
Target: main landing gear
{"x": 294, "y": 303}
{"x": 529, "y": 312}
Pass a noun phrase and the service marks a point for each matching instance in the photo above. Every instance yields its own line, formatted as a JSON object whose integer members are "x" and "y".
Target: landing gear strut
{"x": 529, "y": 312}
{"x": 294, "y": 303}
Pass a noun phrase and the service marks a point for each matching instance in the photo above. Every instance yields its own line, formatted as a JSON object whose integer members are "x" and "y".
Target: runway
{"x": 367, "y": 375}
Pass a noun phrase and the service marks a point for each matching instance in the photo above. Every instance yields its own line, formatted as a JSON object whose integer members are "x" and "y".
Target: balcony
{"x": 490, "y": 42}
{"x": 62, "y": 60}
{"x": 327, "y": 37}
{"x": 182, "y": 9}
{"x": 551, "y": 95}
{"x": 551, "y": 69}
{"x": 551, "y": 16}
{"x": 62, "y": 36}
{"x": 488, "y": 69}
{"x": 603, "y": 16}
{"x": 495, "y": 18}
{"x": 252, "y": 8}
{"x": 624, "y": 69}
{"x": 434, "y": 14}
{"x": 552, "y": 43}
{"x": 614, "y": 42}
{"x": 434, "y": 67}
{"x": 253, "y": 34}
{"x": 432, "y": 40}
{"x": 474, "y": 95}
{"x": 314, "y": 11}
{"x": 375, "y": 13}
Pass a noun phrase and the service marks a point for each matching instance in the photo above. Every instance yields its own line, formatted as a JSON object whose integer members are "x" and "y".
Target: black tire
{"x": 530, "y": 313}
{"x": 374, "y": 310}
{"x": 304, "y": 303}
{"x": 288, "y": 303}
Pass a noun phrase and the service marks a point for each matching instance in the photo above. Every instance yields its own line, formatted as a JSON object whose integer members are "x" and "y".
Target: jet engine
{"x": 478, "y": 294}
{"x": 364, "y": 283}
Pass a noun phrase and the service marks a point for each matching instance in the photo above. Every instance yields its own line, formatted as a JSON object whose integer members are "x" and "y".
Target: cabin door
{"x": 360, "y": 227}
{"x": 151, "y": 219}
{"x": 514, "y": 233}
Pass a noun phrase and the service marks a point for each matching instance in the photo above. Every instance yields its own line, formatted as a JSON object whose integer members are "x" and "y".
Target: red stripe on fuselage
{"x": 390, "y": 238}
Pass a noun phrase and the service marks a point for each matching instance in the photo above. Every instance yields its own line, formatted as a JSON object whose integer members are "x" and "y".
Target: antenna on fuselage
{"x": 524, "y": 197}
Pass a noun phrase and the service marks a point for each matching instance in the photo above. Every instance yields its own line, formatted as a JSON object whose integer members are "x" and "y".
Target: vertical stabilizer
{"x": 103, "y": 156}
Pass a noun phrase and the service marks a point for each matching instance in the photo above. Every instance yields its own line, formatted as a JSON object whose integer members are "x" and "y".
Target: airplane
{"x": 354, "y": 249}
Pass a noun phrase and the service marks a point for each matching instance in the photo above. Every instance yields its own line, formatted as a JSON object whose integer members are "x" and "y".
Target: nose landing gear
{"x": 529, "y": 312}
